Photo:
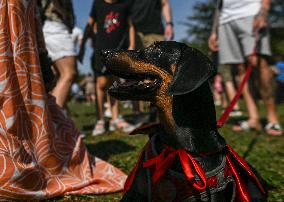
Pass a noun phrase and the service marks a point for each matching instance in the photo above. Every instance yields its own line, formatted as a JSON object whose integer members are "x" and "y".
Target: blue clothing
{"x": 280, "y": 67}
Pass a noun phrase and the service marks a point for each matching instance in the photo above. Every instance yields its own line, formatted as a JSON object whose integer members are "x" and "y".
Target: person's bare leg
{"x": 227, "y": 78}
{"x": 224, "y": 100}
{"x": 231, "y": 92}
{"x": 114, "y": 108}
{"x": 66, "y": 68}
{"x": 267, "y": 87}
{"x": 249, "y": 101}
{"x": 253, "y": 120}
{"x": 101, "y": 87}
{"x": 93, "y": 98}
{"x": 114, "y": 103}
{"x": 141, "y": 106}
{"x": 217, "y": 97}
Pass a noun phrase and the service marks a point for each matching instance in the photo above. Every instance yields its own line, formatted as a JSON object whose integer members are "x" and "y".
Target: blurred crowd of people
{"x": 113, "y": 24}
{"x": 242, "y": 27}
{"x": 239, "y": 27}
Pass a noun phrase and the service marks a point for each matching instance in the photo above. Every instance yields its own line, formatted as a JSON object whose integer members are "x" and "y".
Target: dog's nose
{"x": 106, "y": 53}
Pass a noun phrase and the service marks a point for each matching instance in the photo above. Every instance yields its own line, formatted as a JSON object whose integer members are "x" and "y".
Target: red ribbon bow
{"x": 164, "y": 161}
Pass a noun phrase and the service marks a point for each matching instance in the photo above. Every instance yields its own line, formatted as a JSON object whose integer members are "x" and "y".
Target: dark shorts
{"x": 97, "y": 66}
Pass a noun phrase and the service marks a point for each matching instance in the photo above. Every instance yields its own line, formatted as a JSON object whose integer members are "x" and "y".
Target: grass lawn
{"x": 266, "y": 153}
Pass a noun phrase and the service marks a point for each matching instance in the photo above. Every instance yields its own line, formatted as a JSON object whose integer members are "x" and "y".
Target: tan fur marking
{"x": 161, "y": 100}
{"x": 173, "y": 68}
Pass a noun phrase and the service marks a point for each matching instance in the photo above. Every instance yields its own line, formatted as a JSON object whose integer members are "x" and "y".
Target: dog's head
{"x": 163, "y": 69}
{"x": 159, "y": 74}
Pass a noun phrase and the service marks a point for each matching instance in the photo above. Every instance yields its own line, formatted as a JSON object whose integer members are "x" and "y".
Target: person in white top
{"x": 239, "y": 26}
{"x": 77, "y": 36}
{"x": 236, "y": 9}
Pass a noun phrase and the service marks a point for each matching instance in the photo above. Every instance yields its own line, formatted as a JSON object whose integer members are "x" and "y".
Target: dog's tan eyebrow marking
{"x": 140, "y": 65}
{"x": 173, "y": 68}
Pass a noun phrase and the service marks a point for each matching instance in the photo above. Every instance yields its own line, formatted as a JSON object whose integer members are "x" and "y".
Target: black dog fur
{"x": 179, "y": 88}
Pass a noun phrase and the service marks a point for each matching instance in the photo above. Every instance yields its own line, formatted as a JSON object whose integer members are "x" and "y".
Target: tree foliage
{"x": 199, "y": 24}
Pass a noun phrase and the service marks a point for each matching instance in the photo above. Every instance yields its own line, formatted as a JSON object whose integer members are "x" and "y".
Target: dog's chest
{"x": 175, "y": 187}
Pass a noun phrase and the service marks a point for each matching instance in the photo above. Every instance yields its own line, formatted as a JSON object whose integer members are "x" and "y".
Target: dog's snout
{"x": 106, "y": 53}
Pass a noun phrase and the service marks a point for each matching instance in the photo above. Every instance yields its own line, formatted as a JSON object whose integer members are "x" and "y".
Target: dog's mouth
{"x": 134, "y": 87}
{"x": 139, "y": 82}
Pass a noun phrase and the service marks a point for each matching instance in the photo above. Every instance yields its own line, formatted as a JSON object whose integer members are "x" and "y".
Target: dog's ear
{"x": 193, "y": 69}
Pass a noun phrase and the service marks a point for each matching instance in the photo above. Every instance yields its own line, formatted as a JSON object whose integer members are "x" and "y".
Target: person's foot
{"x": 121, "y": 124}
{"x": 274, "y": 129}
{"x": 247, "y": 126}
{"x": 236, "y": 113}
{"x": 99, "y": 128}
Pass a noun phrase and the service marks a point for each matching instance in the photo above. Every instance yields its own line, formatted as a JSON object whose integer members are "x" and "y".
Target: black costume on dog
{"x": 186, "y": 159}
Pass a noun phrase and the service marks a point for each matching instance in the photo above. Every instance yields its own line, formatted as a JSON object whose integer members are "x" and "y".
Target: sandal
{"x": 274, "y": 129}
{"x": 245, "y": 126}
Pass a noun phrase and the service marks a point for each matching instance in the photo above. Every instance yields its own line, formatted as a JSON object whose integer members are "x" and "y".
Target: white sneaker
{"x": 121, "y": 124}
{"x": 99, "y": 128}
{"x": 108, "y": 114}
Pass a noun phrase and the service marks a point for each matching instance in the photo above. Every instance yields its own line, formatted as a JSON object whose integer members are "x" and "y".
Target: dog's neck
{"x": 164, "y": 107}
{"x": 190, "y": 122}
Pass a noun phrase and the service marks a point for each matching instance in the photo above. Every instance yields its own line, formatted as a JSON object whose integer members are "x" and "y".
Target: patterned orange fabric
{"x": 42, "y": 155}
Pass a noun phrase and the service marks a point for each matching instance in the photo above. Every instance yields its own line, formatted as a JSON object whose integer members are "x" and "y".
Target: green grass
{"x": 266, "y": 153}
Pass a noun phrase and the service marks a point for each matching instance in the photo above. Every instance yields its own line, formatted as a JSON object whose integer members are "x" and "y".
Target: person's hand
{"x": 213, "y": 42}
{"x": 81, "y": 55}
{"x": 169, "y": 33}
{"x": 260, "y": 21}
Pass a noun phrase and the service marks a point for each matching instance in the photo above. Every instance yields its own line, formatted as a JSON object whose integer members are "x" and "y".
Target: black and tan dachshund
{"x": 186, "y": 159}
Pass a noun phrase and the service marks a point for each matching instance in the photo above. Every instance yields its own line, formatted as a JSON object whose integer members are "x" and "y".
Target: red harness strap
{"x": 165, "y": 159}
{"x": 233, "y": 155}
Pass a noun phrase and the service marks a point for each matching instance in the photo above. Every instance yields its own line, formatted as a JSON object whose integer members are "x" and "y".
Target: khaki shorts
{"x": 237, "y": 41}
{"x": 226, "y": 72}
{"x": 145, "y": 40}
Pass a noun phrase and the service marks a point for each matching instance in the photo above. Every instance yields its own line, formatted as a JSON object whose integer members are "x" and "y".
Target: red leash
{"x": 222, "y": 120}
